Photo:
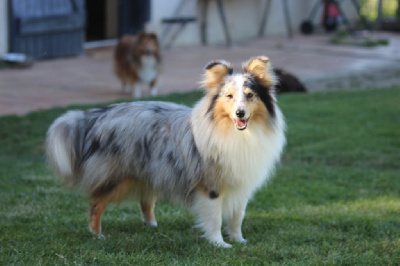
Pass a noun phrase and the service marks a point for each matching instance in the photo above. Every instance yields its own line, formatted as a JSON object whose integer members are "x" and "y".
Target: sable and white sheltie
{"x": 212, "y": 157}
{"x": 137, "y": 63}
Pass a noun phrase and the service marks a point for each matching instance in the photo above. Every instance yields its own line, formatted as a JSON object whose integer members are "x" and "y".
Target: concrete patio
{"x": 89, "y": 78}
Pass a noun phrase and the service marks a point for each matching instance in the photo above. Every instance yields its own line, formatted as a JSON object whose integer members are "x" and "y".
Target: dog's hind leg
{"x": 96, "y": 209}
{"x": 103, "y": 196}
{"x": 147, "y": 204}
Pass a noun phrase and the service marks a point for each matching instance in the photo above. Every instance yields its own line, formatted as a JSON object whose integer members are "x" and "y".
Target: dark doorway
{"x": 95, "y": 20}
{"x": 133, "y": 15}
{"x": 110, "y": 19}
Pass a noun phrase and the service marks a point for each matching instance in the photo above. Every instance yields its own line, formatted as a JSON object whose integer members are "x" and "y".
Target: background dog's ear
{"x": 153, "y": 36}
{"x": 260, "y": 68}
{"x": 141, "y": 35}
{"x": 215, "y": 73}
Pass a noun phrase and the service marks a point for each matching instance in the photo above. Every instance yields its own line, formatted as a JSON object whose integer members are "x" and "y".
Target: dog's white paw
{"x": 151, "y": 223}
{"x": 221, "y": 244}
{"x": 94, "y": 232}
{"x": 240, "y": 240}
{"x": 218, "y": 241}
{"x": 100, "y": 236}
{"x": 154, "y": 92}
{"x": 97, "y": 235}
{"x": 137, "y": 91}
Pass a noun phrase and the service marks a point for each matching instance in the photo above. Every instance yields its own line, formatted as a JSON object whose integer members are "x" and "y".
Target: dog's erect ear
{"x": 153, "y": 36}
{"x": 260, "y": 68}
{"x": 141, "y": 35}
{"x": 215, "y": 73}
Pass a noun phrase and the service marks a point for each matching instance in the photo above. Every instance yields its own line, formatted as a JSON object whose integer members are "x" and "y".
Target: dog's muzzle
{"x": 149, "y": 52}
{"x": 241, "y": 123}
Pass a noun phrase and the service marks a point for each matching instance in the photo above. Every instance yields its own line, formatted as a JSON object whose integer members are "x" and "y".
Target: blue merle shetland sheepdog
{"x": 212, "y": 157}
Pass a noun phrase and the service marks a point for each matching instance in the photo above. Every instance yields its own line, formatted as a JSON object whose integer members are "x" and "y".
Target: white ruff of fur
{"x": 247, "y": 158}
{"x": 148, "y": 71}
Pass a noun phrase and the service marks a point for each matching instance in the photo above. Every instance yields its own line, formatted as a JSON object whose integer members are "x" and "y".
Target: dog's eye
{"x": 229, "y": 96}
{"x": 249, "y": 95}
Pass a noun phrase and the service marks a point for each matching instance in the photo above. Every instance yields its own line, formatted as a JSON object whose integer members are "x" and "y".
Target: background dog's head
{"x": 147, "y": 45}
{"x": 243, "y": 99}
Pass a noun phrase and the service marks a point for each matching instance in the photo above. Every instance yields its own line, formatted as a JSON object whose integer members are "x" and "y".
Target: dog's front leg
{"x": 209, "y": 218}
{"x": 153, "y": 88}
{"x": 235, "y": 224}
{"x": 124, "y": 86}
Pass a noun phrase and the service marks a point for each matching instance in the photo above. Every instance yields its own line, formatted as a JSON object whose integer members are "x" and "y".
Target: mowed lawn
{"x": 335, "y": 198}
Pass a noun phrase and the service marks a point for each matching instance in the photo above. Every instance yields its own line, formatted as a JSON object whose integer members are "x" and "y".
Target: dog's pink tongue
{"x": 240, "y": 123}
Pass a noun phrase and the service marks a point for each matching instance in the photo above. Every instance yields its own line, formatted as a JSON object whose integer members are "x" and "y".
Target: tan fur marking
{"x": 260, "y": 113}
{"x": 203, "y": 189}
{"x": 99, "y": 204}
{"x": 259, "y": 67}
{"x": 222, "y": 116}
{"x": 153, "y": 83}
{"x": 215, "y": 75}
{"x": 147, "y": 207}
{"x": 96, "y": 209}
{"x": 247, "y": 91}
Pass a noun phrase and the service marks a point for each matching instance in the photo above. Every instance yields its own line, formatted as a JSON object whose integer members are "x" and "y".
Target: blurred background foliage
{"x": 390, "y": 9}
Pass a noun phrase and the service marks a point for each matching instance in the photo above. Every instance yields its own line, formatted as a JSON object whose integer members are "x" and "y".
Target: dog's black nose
{"x": 148, "y": 52}
{"x": 213, "y": 194}
{"x": 240, "y": 113}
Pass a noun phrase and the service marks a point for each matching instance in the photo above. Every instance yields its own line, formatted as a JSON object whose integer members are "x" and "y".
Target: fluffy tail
{"x": 62, "y": 143}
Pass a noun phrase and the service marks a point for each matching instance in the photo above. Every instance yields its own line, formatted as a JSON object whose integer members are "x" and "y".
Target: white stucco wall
{"x": 3, "y": 27}
{"x": 164, "y": 9}
{"x": 243, "y": 17}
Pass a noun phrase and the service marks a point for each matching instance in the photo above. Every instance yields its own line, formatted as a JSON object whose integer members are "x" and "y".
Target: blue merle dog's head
{"x": 240, "y": 99}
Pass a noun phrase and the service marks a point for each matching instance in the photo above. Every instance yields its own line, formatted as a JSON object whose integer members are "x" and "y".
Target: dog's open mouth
{"x": 241, "y": 124}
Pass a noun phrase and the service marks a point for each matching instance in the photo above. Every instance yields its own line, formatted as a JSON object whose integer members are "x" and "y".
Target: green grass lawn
{"x": 335, "y": 198}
